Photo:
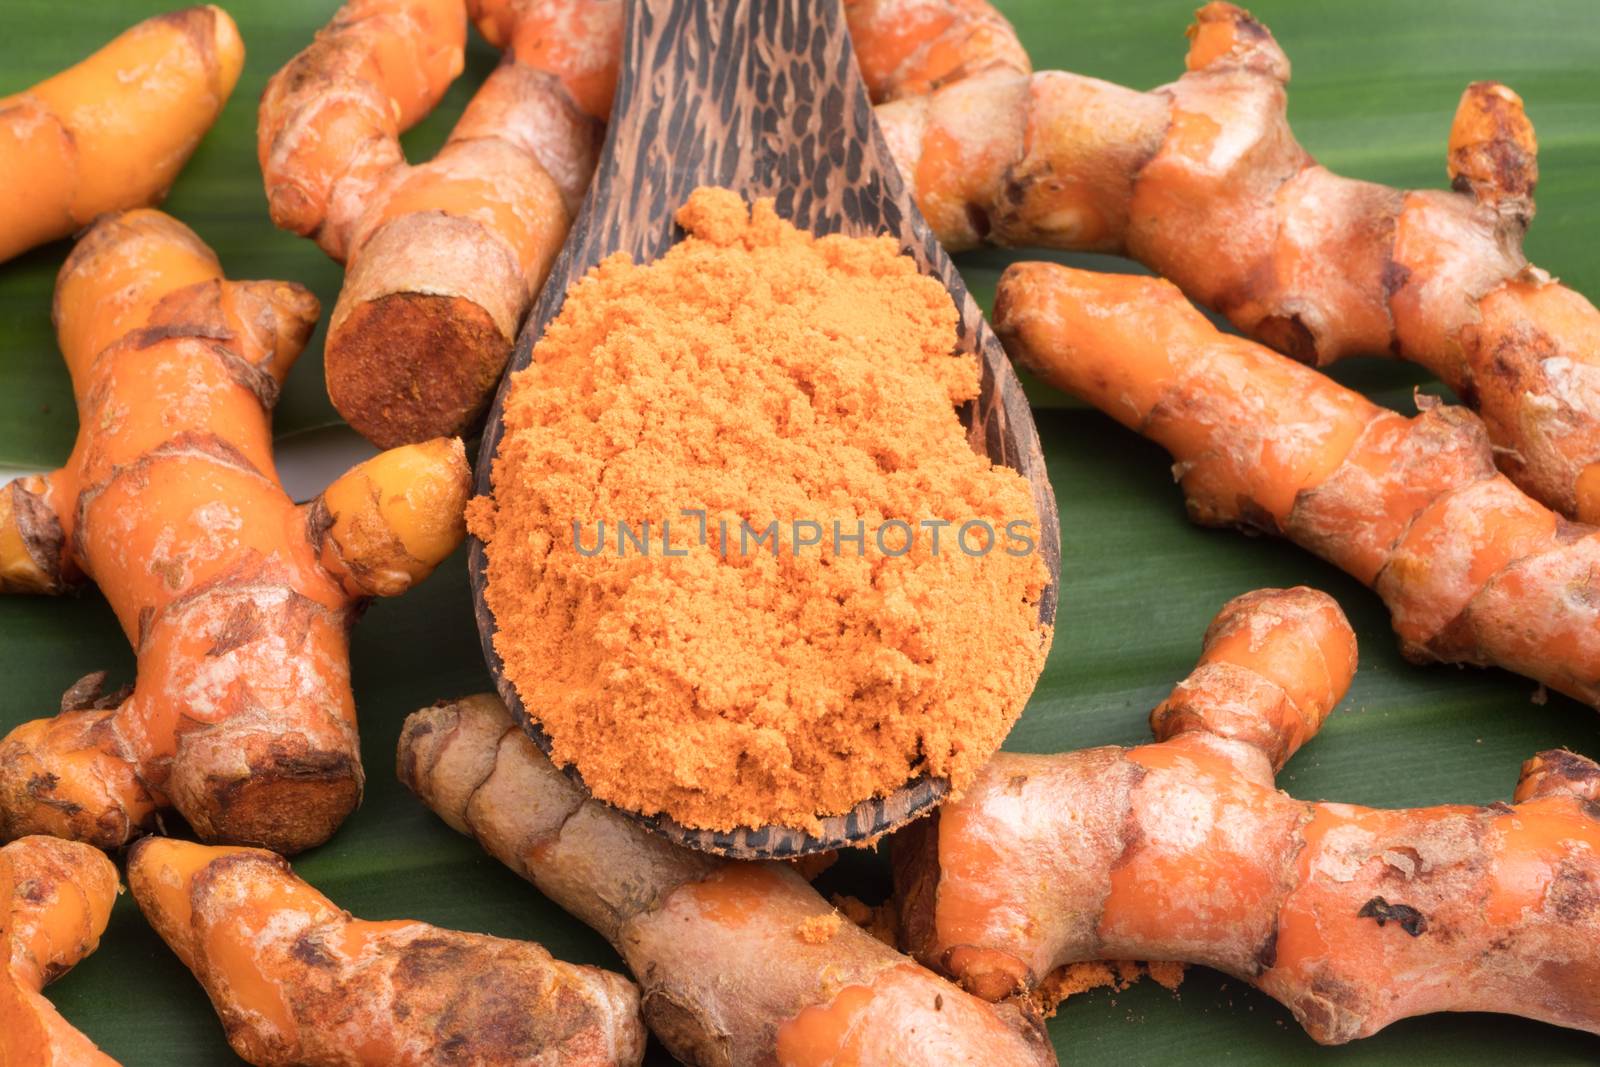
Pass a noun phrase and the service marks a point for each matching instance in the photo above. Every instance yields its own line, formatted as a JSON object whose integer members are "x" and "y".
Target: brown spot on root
{"x": 213, "y": 871}
{"x": 1395, "y": 278}
{"x": 41, "y": 787}
{"x": 978, "y": 219}
{"x": 1493, "y": 153}
{"x": 42, "y": 538}
{"x": 426, "y": 960}
{"x": 248, "y": 581}
{"x": 1267, "y": 954}
{"x": 1573, "y": 895}
{"x": 408, "y": 756}
{"x": 1402, "y": 862}
{"x": 1332, "y": 1010}
{"x": 195, "y": 312}
{"x": 487, "y": 1019}
{"x": 1253, "y": 518}
{"x": 1513, "y": 361}
{"x": 1405, "y": 916}
{"x": 687, "y": 1030}
{"x": 198, "y": 24}
{"x": 1026, "y": 1020}
{"x": 915, "y": 864}
{"x": 319, "y": 520}
{"x": 288, "y": 802}
{"x": 243, "y": 625}
{"x": 1131, "y": 833}
{"x": 1289, "y": 335}
{"x": 1559, "y": 772}
{"x": 1251, "y": 29}
{"x": 150, "y": 336}
{"x": 309, "y": 951}
{"x": 170, "y": 572}
{"x": 89, "y": 694}
{"x": 391, "y": 396}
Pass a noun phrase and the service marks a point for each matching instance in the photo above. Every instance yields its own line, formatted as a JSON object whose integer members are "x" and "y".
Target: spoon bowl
{"x": 761, "y": 97}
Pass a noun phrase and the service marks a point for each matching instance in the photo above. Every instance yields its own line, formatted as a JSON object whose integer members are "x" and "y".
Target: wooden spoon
{"x": 762, "y": 97}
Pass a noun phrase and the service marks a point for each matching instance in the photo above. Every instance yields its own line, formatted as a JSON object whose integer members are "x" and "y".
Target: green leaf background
{"x": 1375, "y": 87}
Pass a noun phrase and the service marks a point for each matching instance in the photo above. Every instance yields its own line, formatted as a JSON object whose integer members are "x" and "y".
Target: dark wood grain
{"x": 762, "y": 97}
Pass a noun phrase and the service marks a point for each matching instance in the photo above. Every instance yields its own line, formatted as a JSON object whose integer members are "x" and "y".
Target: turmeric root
{"x": 1203, "y": 181}
{"x": 55, "y": 901}
{"x": 1182, "y": 850}
{"x": 299, "y": 983}
{"x": 112, "y": 132}
{"x": 1472, "y": 570}
{"x": 913, "y": 47}
{"x": 741, "y": 963}
{"x": 238, "y": 602}
{"x": 442, "y": 258}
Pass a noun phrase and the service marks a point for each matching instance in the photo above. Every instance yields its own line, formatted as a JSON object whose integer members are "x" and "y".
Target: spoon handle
{"x": 759, "y": 96}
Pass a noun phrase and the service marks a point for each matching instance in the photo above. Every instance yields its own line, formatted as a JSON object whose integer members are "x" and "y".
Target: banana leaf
{"x": 1374, "y": 90}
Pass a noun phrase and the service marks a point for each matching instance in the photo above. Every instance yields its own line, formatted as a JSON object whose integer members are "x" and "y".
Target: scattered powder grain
{"x": 759, "y": 374}
{"x": 1072, "y": 979}
{"x": 882, "y": 921}
{"x": 819, "y": 929}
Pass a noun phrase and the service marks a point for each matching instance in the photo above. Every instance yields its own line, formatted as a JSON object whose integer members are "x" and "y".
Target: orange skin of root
{"x": 112, "y": 132}
{"x": 417, "y": 341}
{"x": 55, "y": 901}
{"x": 912, "y": 47}
{"x": 297, "y": 981}
{"x": 729, "y": 976}
{"x": 1203, "y": 181}
{"x": 1472, "y": 569}
{"x": 237, "y": 601}
{"x": 1182, "y": 850}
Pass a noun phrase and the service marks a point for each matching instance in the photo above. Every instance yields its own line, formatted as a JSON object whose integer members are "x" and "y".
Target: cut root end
{"x": 387, "y": 379}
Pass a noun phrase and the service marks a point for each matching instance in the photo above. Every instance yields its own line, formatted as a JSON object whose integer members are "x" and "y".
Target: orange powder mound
{"x": 758, "y": 374}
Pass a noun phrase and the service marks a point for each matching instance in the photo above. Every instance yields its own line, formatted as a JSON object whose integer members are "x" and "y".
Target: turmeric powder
{"x": 745, "y": 567}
